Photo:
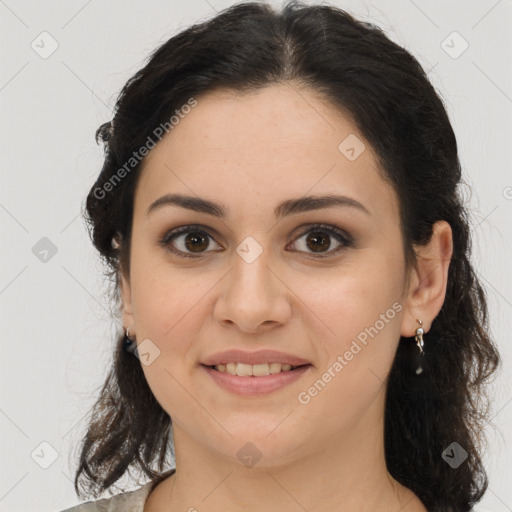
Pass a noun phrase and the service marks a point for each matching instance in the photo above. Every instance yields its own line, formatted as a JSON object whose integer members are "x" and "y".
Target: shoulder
{"x": 131, "y": 501}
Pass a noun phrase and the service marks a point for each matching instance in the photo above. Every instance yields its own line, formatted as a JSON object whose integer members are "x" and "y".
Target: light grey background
{"x": 56, "y": 330}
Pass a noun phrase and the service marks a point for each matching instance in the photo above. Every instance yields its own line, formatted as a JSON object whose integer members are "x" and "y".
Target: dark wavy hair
{"x": 360, "y": 71}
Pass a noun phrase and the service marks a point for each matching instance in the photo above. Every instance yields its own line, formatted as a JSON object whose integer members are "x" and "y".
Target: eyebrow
{"x": 288, "y": 207}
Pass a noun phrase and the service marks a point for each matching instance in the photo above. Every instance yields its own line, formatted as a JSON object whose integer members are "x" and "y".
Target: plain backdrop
{"x": 62, "y": 65}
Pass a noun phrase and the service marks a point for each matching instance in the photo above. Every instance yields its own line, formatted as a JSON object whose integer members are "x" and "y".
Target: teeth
{"x": 258, "y": 370}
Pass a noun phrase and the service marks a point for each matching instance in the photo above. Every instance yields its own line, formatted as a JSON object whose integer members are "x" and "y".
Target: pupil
{"x": 315, "y": 237}
{"x": 320, "y": 241}
{"x": 191, "y": 240}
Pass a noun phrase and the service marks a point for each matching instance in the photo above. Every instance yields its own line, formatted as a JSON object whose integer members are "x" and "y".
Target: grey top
{"x": 131, "y": 501}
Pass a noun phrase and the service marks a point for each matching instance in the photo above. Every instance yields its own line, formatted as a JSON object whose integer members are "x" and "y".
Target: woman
{"x": 279, "y": 211}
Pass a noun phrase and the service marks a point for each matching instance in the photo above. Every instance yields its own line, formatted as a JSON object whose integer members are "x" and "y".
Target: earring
{"x": 129, "y": 345}
{"x": 420, "y": 343}
{"x": 115, "y": 240}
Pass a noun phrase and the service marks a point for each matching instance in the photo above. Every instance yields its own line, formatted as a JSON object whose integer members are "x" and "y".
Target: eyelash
{"x": 340, "y": 236}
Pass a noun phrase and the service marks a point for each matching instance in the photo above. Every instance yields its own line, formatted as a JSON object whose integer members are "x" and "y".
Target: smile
{"x": 239, "y": 378}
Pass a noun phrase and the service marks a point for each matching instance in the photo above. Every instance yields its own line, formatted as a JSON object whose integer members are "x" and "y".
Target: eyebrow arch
{"x": 288, "y": 207}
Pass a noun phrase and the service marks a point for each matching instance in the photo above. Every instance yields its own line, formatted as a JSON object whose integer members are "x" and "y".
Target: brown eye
{"x": 193, "y": 241}
{"x": 318, "y": 240}
{"x": 196, "y": 242}
{"x": 186, "y": 241}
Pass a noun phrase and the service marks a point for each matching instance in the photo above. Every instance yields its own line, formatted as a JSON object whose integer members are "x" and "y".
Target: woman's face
{"x": 260, "y": 281}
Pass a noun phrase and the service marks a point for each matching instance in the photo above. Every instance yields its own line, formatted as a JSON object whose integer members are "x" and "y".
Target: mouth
{"x": 244, "y": 383}
{"x": 254, "y": 370}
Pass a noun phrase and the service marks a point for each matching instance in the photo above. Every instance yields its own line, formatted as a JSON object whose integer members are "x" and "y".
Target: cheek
{"x": 170, "y": 311}
{"x": 165, "y": 298}
{"x": 357, "y": 350}
{"x": 359, "y": 316}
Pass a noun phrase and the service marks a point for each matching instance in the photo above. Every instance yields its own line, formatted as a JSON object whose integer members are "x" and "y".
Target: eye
{"x": 196, "y": 240}
{"x": 318, "y": 240}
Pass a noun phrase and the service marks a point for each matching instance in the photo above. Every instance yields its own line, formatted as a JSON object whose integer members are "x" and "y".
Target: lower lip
{"x": 251, "y": 386}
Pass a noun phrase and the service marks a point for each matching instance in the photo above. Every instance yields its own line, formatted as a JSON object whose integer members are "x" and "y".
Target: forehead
{"x": 251, "y": 151}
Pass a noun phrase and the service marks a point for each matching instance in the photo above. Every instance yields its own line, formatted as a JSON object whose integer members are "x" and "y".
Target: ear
{"x": 126, "y": 299}
{"x": 428, "y": 281}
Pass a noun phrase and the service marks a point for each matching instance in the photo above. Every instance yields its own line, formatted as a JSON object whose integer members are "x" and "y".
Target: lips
{"x": 256, "y": 386}
{"x": 253, "y": 358}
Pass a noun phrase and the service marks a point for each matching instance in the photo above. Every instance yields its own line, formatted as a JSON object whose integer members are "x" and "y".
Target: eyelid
{"x": 345, "y": 239}
{"x": 172, "y": 234}
{"x": 325, "y": 227}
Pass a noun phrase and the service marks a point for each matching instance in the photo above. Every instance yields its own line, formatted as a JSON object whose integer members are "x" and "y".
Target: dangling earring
{"x": 129, "y": 345}
{"x": 420, "y": 343}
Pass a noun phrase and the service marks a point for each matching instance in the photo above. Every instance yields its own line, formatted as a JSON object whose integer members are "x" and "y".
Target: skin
{"x": 250, "y": 152}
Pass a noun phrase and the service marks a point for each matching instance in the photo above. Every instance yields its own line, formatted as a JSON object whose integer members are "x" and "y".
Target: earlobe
{"x": 427, "y": 289}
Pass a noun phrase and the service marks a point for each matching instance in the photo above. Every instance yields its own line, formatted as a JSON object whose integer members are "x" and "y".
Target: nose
{"x": 253, "y": 296}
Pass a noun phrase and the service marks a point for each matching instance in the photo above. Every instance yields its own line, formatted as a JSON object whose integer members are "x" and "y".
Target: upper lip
{"x": 257, "y": 357}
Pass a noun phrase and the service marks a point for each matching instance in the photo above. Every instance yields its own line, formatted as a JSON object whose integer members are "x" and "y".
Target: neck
{"x": 349, "y": 473}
